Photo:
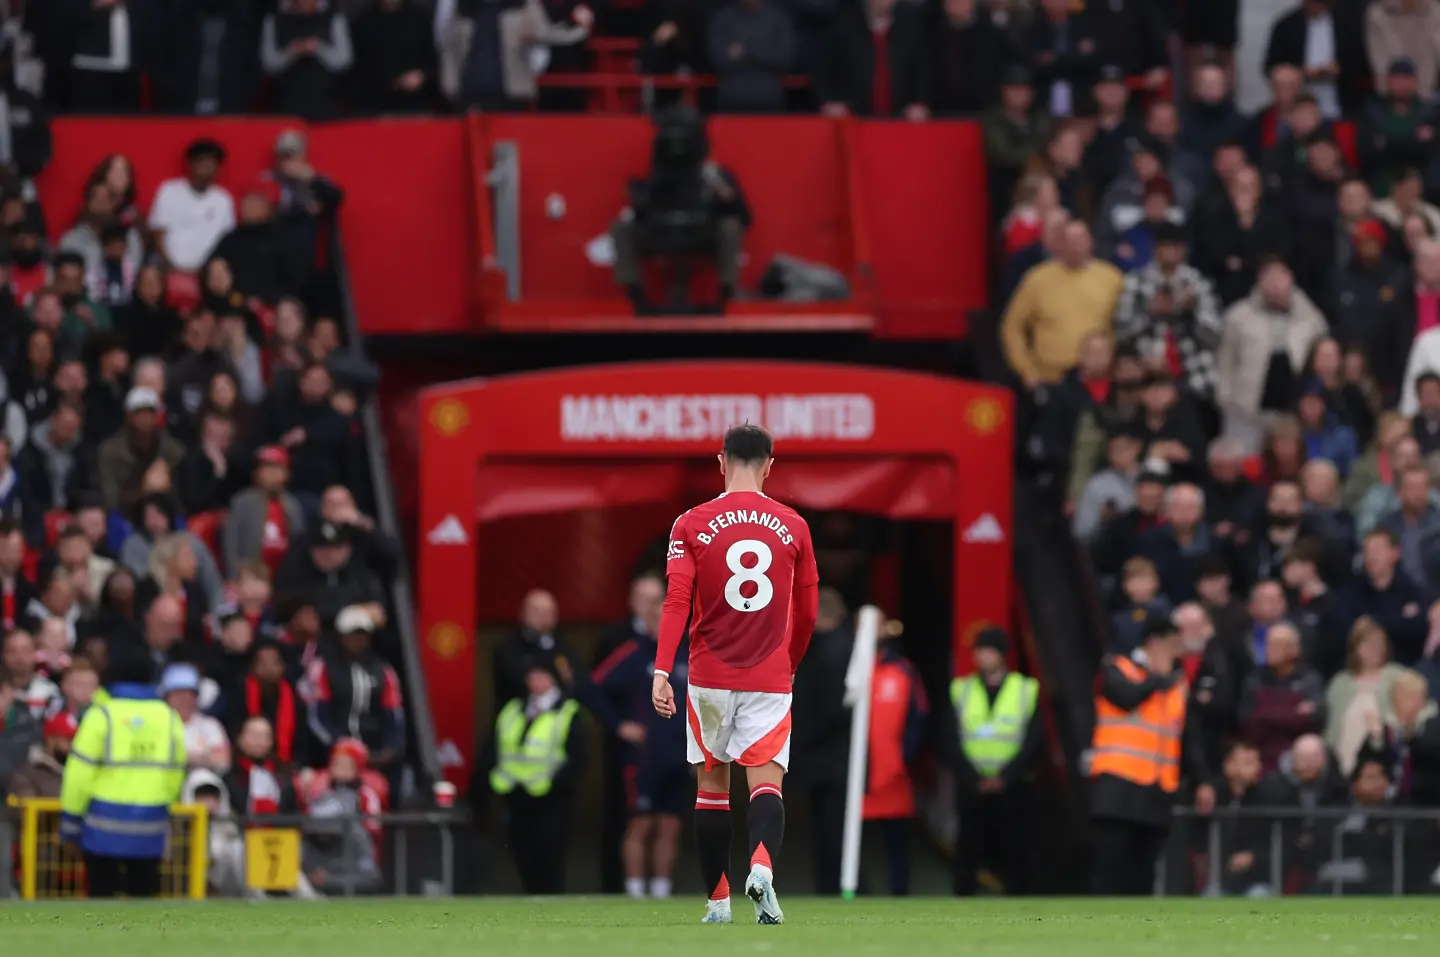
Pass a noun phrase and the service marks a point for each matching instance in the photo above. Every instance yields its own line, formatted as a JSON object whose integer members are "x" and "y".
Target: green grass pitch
{"x": 814, "y": 928}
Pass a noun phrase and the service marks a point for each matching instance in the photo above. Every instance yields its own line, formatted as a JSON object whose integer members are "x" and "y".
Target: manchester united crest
{"x": 985, "y": 415}
{"x": 450, "y": 417}
{"x": 447, "y": 639}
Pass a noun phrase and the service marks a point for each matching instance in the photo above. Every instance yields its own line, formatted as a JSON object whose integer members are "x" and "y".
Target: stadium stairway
{"x": 1060, "y": 635}
{"x": 403, "y": 649}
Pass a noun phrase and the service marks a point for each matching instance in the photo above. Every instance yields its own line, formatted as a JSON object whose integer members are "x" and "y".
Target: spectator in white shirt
{"x": 190, "y": 214}
{"x": 206, "y": 744}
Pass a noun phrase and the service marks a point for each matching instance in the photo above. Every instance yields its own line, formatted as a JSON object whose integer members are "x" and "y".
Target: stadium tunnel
{"x": 569, "y": 480}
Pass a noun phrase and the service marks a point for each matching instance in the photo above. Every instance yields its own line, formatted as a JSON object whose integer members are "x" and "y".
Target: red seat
{"x": 206, "y": 527}
{"x": 55, "y": 522}
{"x": 183, "y": 292}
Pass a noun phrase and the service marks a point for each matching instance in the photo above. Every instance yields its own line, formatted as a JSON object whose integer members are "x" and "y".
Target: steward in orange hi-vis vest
{"x": 1134, "y": 760}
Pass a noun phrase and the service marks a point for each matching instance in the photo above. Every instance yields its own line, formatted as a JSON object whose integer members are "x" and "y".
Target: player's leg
{"x": 762, "y": 731}
{"x": 703, "y": 742}
{"x": 713, "y": 833}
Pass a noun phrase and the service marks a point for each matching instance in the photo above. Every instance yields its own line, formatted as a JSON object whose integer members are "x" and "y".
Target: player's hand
{"x": 662, "y": 697}
{"x": 631, "y": 732}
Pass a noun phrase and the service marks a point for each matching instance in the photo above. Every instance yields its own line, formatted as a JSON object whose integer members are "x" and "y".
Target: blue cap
{"x": 179, "y": 678}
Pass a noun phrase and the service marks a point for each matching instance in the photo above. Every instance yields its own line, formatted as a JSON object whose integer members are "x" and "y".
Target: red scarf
{"x": 7, "y": 606}
{"x": 263, "y": 788}
{"x": 1099, "y": 389}
{"x": 284, "y": 715}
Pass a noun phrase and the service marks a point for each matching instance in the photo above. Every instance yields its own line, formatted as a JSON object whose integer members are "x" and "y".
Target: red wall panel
{"x": 409, "y": 219}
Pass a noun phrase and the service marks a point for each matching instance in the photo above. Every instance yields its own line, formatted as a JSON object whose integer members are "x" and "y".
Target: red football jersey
{"x": 747, "y": 555}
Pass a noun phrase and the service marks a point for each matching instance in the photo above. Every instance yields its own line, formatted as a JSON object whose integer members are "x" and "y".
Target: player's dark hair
{"x": 749, "y": 444}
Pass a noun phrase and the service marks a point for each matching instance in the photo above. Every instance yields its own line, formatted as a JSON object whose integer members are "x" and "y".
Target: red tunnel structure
{"x": 646, "y": 435}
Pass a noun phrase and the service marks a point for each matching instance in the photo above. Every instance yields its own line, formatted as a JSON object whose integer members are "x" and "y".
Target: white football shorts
{"x": 749, "y": 728}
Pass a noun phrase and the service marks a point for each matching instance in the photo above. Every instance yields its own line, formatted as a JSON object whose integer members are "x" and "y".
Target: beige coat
{"x": 1387, "y": 212}
{"x": 1391, "y": 32}
{"x": 520, "y": 29}
{"x": 1243, "y": 359}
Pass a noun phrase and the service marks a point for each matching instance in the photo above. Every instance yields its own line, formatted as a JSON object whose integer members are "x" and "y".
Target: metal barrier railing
{"x": 403, "y": 853}
{"x": 1372, "y": 849}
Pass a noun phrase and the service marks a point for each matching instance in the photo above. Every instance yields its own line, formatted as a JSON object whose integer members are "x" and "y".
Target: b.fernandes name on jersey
{"x": 743, "y": 517}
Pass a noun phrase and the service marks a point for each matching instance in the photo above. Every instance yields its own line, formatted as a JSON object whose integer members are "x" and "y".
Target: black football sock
{"x": 712, "y": 841}
{"x": 767, "y": 825}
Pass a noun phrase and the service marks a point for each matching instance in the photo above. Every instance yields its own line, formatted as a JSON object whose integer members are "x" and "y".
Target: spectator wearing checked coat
{"x": 1171, "y": 316}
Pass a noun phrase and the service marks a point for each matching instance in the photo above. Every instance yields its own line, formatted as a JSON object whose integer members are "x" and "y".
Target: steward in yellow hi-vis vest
{"x": 993, "y": 742}
{"x": 538, "y": 753}
{"x": 125, "y": 769}
{"x": 1134, "y": 760}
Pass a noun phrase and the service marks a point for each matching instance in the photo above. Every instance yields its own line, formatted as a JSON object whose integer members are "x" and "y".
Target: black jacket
{"x": 253, "y": 252}
{"x": 1214, "y": 697}
{"x": 1131, "y": 34}
{"x": 38, "y": 494}
{"x": 388, "y": 44}
{"x": 350, "y": 584}
{"x": 1287, "y": 45}
{"x": 178, "y": 79}
{"x": 1075, "y": 59}
{"x": 1057, "y": 414}
{"x": 331, "y": 452}
{"x": 1230, "y": 253}
{"x": 515, "y": 655}
{"x": 1306, "y": 840}
{"x": 847, "y": 73}
{"x": 30, "y": 141}
{"x": 968, "y": 61}
{"x": 822, "y": 722}
{"x": 1240, "y": 503}
{"x": 200, "y": 489}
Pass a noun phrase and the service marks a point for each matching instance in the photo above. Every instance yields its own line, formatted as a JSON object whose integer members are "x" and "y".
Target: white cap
{"x": 354, "y": 618}
{"x": 141, "y": 397}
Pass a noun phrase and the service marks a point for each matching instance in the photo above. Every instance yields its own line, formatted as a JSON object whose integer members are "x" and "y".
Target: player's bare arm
{"x": 674, "y": 615}
{"x": 662, "y": 696}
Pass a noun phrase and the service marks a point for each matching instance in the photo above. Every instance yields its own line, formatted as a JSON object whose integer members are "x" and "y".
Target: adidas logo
{"x": 448, "y": 532}
{"x": 449, "y": 755}
{"x": 985, "y": 530}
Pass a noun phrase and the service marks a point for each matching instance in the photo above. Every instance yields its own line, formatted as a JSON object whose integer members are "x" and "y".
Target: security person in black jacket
{"x": 821, "y": 749}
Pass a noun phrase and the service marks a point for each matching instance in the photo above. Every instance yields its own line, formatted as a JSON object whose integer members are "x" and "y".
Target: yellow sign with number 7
{"x": 272, "y": 859}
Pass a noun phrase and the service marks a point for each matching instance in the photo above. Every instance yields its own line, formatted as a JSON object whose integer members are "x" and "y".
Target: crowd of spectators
{"x": 321, "y": 59}
{"x": 182, "y": 478}
{"x": 1223, "y": 327}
